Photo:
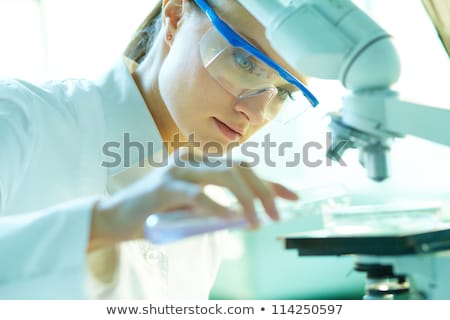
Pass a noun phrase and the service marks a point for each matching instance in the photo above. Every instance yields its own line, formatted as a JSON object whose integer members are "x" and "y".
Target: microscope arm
{"x": 385, "y": 114}
{"x": 423, "y": 121}
{"x": 329, "y": 39}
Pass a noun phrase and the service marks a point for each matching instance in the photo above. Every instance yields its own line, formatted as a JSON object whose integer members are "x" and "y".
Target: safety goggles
{"x": 248, "y": 74}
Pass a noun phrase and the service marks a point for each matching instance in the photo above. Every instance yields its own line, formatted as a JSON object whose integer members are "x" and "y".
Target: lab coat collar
{"x": 130, "y": 128}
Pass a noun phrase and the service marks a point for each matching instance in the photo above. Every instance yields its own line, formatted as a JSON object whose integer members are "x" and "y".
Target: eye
{"x": 284, "y": 93}
{"x": 243, "y": 61}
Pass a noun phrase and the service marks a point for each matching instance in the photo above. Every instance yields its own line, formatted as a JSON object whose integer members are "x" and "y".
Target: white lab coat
{"x": 51, "y": 174}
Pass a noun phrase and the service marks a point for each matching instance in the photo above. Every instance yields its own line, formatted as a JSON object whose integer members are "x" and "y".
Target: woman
{"x": 72, "y": 174}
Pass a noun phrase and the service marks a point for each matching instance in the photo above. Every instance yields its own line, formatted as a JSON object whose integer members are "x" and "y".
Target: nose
{"x": 255, "y": 105}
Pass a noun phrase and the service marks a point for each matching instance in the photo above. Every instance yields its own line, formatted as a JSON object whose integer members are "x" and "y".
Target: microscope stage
{"x": 323, "y": 243}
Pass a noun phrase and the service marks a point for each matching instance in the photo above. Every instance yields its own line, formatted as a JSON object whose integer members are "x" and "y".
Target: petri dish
{"x": 386, "y": 218}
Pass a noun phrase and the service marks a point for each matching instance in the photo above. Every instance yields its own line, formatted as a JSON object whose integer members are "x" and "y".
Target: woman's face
{"x": 197, "y": 103}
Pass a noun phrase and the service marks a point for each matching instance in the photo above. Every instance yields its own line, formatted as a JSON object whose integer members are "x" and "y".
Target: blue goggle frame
{"x": 236, "y": 40}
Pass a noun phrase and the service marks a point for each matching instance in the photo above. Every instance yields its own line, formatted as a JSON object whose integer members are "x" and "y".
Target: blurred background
{"x": 55, "y": 39}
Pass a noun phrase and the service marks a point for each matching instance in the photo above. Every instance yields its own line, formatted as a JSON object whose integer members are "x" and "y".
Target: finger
{"x": 284, "y": 192}
{"x": 204, "y": 205}
{"x": 176, "y": 194}
{"x": 239, "y": 187}
{"x": 189, "y": 196}
{"x": 263, "y": 191}
{"x": 226, "y": 177}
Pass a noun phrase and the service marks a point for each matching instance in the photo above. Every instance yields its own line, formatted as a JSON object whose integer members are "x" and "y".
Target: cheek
{"x": 178, "y": 83}
{"x": 189, "y": 93}
{"x": 252, "y": 130}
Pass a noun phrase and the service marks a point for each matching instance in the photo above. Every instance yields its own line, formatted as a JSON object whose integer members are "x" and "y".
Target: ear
{"x": 172, "y": 13}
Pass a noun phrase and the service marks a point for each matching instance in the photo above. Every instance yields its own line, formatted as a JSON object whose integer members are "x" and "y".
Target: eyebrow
{"x": 286, "y": 84}
{"x": 258, "y": 46}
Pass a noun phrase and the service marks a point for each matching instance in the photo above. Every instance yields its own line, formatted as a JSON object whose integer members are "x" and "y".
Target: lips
{"x": 230, "y": 132}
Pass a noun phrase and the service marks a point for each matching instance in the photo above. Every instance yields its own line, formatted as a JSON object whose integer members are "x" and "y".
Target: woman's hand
{"x": 181, "y": 186}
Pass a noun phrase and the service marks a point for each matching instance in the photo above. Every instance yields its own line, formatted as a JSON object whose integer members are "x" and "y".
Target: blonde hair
{"x": 145, "y": 35}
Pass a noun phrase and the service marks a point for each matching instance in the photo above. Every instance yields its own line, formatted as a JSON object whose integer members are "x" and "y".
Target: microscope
{"x": 335, "y": 39}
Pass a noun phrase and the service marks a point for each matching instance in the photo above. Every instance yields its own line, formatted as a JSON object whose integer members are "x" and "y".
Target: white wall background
{"x": 52, "y": 39}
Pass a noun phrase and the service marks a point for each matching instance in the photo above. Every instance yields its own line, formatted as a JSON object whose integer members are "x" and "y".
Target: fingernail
{"x": 275, "y": 212}
{"x": 255, "y": 227}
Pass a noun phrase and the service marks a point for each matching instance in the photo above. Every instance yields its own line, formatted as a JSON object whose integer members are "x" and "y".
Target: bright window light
{"x": 53, "y": 39}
